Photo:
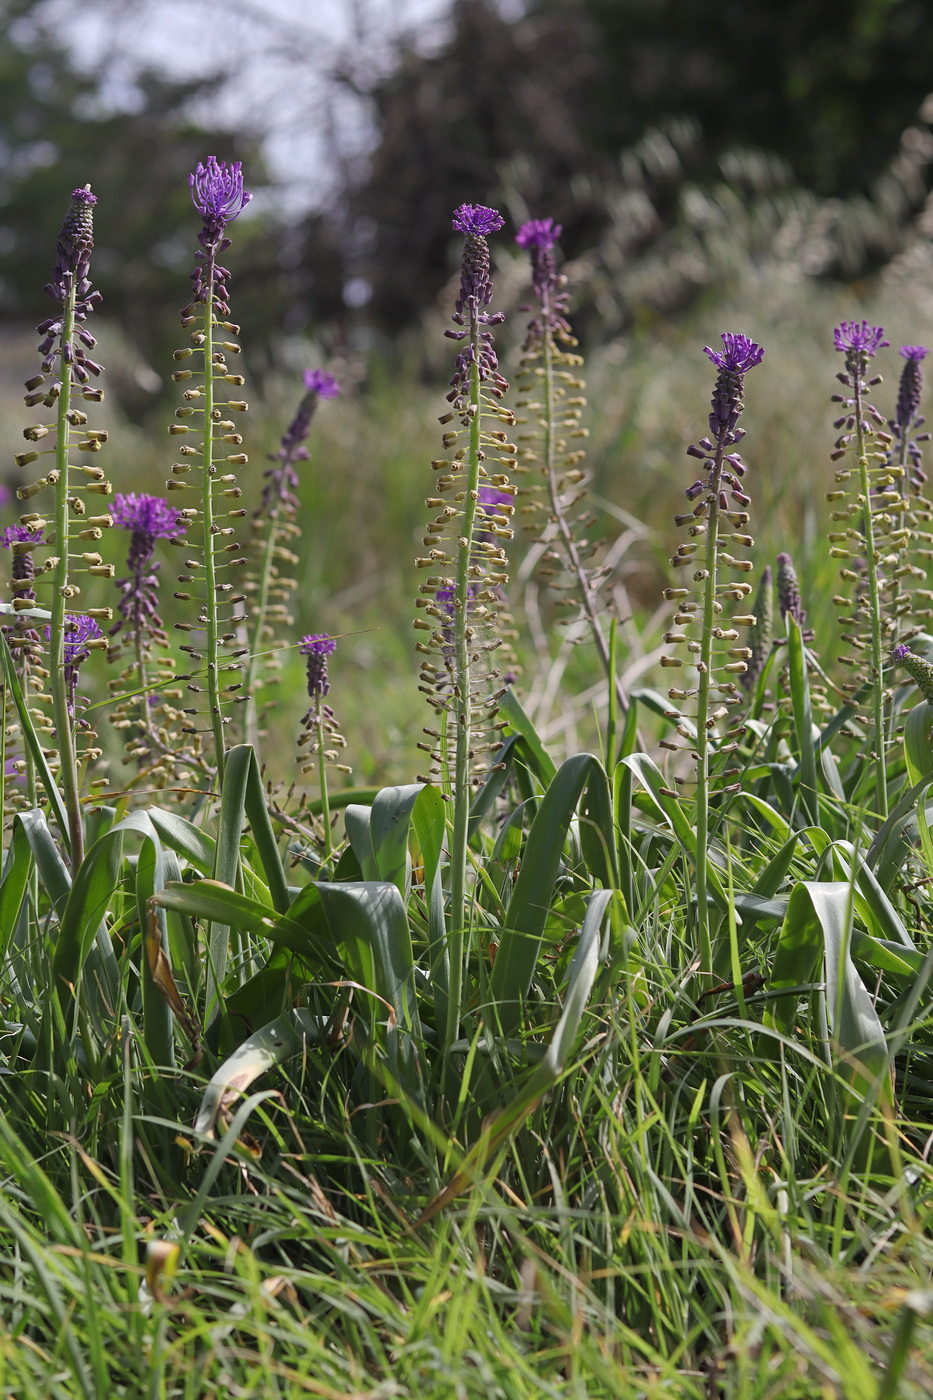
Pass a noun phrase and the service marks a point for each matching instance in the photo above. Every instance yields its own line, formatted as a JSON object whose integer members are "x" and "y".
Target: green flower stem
{"x": 259, "y": 624}
{"x": 874, "y": 608}
{"x": 322, "y": 780}
{"x": 461, "y": 707}
{"x": 587, "y": 597}
{"x": 704, "y": 682}
{"x": 64, "y": 726}
{"x": 207, "y": 511}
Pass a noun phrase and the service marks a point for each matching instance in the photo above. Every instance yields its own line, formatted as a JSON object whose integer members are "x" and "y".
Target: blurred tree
{"x": 57, "y": 132}
{"x": 636, "y": 123}
{"x": 829, "y": 87}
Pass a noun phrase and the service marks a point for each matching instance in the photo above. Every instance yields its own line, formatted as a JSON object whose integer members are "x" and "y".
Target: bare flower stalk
{"x": 218, "y": 194}
{"x": 65, "y": 376}
{"x": 549, "y": 372}
{"x": 276, "y": 517}
{"x": 868, "y": 522}
{"x": 460, "y": 602}
{"x": 710, "y": 637}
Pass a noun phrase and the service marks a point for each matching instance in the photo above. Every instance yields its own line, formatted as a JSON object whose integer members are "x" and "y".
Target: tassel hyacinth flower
{"x": 320, "y": 732}
{"x": 552, "y": 397}
{"x": 710, "y": 607}
{"x": 870, "y": 538}
{"x": 275, "y": 526}
{"x": 209, "y": 443}
{"x": 71, "y": 528}
{"x": 139, "y": 626}
{"x": 466, "y": 569}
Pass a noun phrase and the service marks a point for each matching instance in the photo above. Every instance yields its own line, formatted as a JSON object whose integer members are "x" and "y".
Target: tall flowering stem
{"x": 276, "y": 517}
{"x": 716, "y": 526}
{"x": 463, "y": 545}
{"x": 552, "y": 389}
{"x": 139, "y": 629}
{"x": 320, "y": 731}
{"x": 872, "y": 530}
{"x": 65, "y": 376}
{"x": 219, "y": 197}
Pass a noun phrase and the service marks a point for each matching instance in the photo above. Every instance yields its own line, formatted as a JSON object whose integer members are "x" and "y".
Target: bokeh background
{"x": 764, "y": 168}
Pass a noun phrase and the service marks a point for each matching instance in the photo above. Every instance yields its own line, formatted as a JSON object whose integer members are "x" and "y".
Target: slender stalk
{"x": 322, "y": 780}
{"x": 874, "y": 605}
{"x": 207, "y": 514}
{"x": 704, "y": 681}
{"x": 558, "y": 514}
{"x": 64, "y": 727}
{"x": 463, "y": 641}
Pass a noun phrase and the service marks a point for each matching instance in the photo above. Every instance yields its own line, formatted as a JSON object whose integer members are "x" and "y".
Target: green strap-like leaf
{"x": 207, "y": 899}
{"x": 538, "y": 758}
{"x": 520, "y": 941}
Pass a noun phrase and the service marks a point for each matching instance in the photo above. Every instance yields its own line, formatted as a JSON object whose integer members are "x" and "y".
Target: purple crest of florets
{"x": 916, "y": 353}
{"x": 217, "y": 190}
{"x": 740, "y": 353}
{"x": 538, "y": 233}
{"x": 488, "y": 497}
{"x": 84, "y": 196}
{"x": 20, "y": 534}
{"x": 145, "y": 515}
{"x": 477, "y": 219}
{"x": 860, "y": 337}
{"x": 317, "y": 647}
{"x": 901, "y": 653}
{"x": 321, "y": 383}
{"x": 80, "y": 631}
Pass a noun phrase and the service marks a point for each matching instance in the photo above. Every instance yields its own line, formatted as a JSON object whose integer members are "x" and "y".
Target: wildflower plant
{"x": 550, "y": 450}
{"x": 209, "y": 440}
{"x": 466, "y": 564}
{"x": 320, "y": 737}
{"x": 276, "y": 531}
{"x": 711, "y": 610}
{"x": 70, "y": 524}
{"x": 138, "y": 631}
{"x": 870, "y": 502}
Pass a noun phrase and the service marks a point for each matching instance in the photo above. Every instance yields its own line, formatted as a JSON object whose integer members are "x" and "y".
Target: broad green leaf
{"x": 19, "y": 866}
{"x": 53, "y": 872}
{"x": 31, "y": 738}
{"x": 188, "y": 840}
{"x": 358, "y": 822}
{"x": 261, "y": 1052}
{"x": 811, "y": 908}
{"x": 208, "y": 899}
{"x": 918, "y": 747}
{"x": 538, "y": 758}
{"x": 390, "y": 824}
{"x": 520, "y": 941}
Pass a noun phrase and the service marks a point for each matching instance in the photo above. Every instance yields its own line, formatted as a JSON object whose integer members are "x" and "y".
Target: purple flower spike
{"x": 79, "y": 633}
{"x": 474, "y": 221}
{"x": 538, "y": 233}
{"x": 145, "y": 515}
{"x": 317, "y": 648}
{"x": 860, "y": 337}
{"x": 907, "y": 419}
{"x": 477, "y": 219}
{"x": 217, "y": 190}
{"x": 739, "y": 355}
{"x": 148, "y": 518}
{"x": 321, "y": 383}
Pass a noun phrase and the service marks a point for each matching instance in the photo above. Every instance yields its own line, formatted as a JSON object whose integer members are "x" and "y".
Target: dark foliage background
{"x": 671, "y": 138}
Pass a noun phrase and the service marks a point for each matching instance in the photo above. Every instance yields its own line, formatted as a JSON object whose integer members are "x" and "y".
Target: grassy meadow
{"x": 651, "y": 1116}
